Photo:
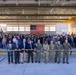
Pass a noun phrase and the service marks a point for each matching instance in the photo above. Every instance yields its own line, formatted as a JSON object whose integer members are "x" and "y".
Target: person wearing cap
{"x": 10, "y": 53}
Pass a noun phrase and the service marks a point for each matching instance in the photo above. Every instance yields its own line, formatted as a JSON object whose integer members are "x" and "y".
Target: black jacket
{"x": 28, "y": 47}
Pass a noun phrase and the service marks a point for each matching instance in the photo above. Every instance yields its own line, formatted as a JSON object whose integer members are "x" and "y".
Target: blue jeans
{"x": 10, "y": 57}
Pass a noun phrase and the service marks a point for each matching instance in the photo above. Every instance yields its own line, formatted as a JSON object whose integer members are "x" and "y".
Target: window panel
{"x": 21, "y": 28}
{"x": 52, "y": 29}
{"x": 27, "y": 28}
{"x": 9, "y": 28}
{"x": 46, "y": 28}
{"x": 15, "y": 28}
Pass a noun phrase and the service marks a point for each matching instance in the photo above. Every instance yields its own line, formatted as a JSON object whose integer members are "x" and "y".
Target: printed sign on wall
{"x": 61, "y": 28}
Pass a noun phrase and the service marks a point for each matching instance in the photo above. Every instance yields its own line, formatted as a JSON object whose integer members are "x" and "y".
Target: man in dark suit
{"x": 75, "y": 40}
{"x": 30, "y": 48}
{"x": 17, "y": 53}
{"x": 24, "y": 47}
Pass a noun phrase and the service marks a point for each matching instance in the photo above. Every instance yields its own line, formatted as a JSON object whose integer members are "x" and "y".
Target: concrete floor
{"x": 39, "y": 69}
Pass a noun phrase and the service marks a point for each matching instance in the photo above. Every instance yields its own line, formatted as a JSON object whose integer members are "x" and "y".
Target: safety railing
{"x": 34, "y": 51}
{"x": 7, "y": 50}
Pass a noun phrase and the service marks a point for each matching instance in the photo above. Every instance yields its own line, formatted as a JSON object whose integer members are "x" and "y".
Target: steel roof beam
{"x": 34, "y": 19}
{"x": 30, "y": 21}
{"x": 37, "y": 14}
{"x": 6, "y": 6}
{"x": 34, "y": 2}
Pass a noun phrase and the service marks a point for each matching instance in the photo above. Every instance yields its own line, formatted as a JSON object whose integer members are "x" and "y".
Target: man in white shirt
{"x": 14, "y": 39}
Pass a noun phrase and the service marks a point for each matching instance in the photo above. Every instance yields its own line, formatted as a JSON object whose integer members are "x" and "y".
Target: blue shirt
{"x": 17, "y": 45}
{"x": 31, "y": 46}
{"x": 24, "y": 45}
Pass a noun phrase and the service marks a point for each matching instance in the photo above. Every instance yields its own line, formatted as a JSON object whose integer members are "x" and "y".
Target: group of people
{"x": 22, "y": 48}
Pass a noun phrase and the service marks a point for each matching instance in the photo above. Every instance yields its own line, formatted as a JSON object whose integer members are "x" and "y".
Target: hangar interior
{"x": 16, "y": 16}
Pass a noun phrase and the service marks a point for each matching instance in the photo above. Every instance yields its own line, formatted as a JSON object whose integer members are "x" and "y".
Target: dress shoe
{"x": 63, "y": 62}
{"x": 67, "y": 62}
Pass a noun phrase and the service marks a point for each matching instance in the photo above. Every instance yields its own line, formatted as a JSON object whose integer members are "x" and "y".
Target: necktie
{"x": 24, "y": 45}
{"x": 30, "y": 46}
{"x": 17, "y": 45}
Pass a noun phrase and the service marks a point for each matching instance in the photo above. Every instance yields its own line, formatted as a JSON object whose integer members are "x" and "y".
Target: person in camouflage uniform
{"x": 58, "y": 47}
{"x": 46, "y": 51}
{"x": 52, "y": 52}
{"x": 38, "y": 52}
{"x": 66, "y": 47}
